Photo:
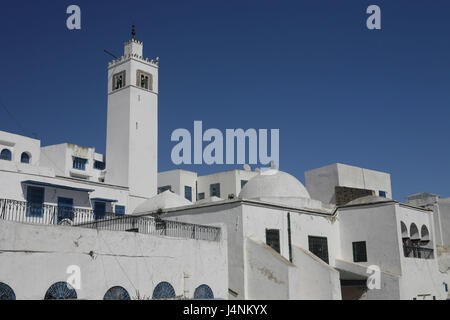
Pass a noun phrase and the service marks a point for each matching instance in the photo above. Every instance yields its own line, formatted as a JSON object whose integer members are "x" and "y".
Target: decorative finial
{"x": 133, "y": 32}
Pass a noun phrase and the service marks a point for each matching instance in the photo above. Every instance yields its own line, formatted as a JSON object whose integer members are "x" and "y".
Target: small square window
{"x": 359, "y": 251}
{"x": 120, "y": 210}
{"x": 215, "y": 190}
{"x": 99, "y": 165}
{"x": 382, "y": 194}
{"x": 243, "y": 183}
{"x": 201, "y": 196}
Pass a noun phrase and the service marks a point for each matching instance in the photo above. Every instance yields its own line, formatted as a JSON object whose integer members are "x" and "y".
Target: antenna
{"x": 133, "y": 32}
{"x": 106, "y": 51}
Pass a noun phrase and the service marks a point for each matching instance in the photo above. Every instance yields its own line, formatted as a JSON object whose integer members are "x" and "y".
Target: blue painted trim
{"x": 51, "y": 185}
{"x": 104, "y": 200}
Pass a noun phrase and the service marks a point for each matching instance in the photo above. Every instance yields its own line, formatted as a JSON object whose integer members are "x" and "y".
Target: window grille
{"x": 319, "y": 247}
{"x": 359, "y": 251}
{"x": 273, "y": 239}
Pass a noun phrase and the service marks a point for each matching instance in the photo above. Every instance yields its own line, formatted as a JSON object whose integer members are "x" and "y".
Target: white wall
{"x": 419, "y": 276}
{"x": 231, "y": 216}
{"x": 321, "y": 182}
{"x": 134, "y": 261}
{"x": 18, "y": 144}
{"x": 178, "y": 179}
{"x": 267, "y": 273}
{"x": 376, "y": 224}
{"x": 230, "y": 182}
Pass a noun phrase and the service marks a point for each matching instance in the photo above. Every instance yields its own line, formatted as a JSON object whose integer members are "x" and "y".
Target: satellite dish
{"x": 247, "y": 167}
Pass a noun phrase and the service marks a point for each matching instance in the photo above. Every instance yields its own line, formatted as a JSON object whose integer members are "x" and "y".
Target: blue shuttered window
{"x": 25, "y": 158}
{"x": 35, "y": 201}
{"x": 79, "y": 163}
{"x": 65, "y": 209}
{"x": 188, "y": 193}
{"x": 215, "y": 190}
{"x": 5, "y": 155}
{"x": 99, "y": 210}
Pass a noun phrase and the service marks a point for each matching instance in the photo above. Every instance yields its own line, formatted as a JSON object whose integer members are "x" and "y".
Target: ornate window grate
{"x": 203, "y": 292}
{"x": 164, "y": 290}
{"x": 117, "y": 293}
{"x": 6, "y": 293}
{"x": 61, "y": 291}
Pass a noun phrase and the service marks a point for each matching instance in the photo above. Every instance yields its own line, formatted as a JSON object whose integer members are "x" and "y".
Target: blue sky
{"x": 337, "y": 91}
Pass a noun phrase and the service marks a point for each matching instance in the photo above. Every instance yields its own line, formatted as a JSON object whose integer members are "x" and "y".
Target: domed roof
{"x": 164, "y": 200}
{"x": 274, "y": 184}
{"x": 367, "y": 200}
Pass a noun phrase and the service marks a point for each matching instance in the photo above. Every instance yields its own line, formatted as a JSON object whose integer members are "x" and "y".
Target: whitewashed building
{"x": 283, "y": 244}
{"x": 114, "y": 228}
{"x": 65, "y": 210}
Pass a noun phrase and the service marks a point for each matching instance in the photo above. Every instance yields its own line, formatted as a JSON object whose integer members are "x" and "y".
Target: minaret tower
{"x": 132, "y": 128}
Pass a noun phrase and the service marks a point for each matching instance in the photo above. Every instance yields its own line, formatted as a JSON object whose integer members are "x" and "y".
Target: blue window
{"x": 382, "y": 194}
{"x": 35, "y": 201}
{"x": 117, "y": 293}
{"x": 203, "y": 292}
{"x": 446, "y": 287}
{"x": 243, "y": 183}
{"x": 188, "y": 193}
{"x": 61, "y": 291}
{"x": 99, "y": 165}
{"x": 215, "y": 190}
{"x": 99, "y": 210}
{"x": 65, "y": 209}
{"x": 6, "y": 293}
{"x": 164, "y": 290}
{"x": 120, "y": 210}
{"x": 25, "y": 158}
{"x": 5, "y": 155}
{"x": 79, "y": 163}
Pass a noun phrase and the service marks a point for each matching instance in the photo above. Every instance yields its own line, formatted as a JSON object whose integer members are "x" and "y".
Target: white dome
{"x": 164, "y": 200}
{"x": 274, "y": 184}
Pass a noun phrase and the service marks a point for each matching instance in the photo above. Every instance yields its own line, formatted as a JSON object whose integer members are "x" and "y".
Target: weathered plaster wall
{"x": 32, "y": 258}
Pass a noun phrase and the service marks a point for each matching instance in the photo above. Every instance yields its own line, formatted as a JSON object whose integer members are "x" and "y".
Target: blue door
{"x": 65, "y": 209}
{"x": 99, "y": 210}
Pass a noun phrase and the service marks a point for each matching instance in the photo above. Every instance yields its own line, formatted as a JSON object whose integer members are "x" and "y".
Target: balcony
{"x": 418, "y": 252}
{"x": 24, "y": 212}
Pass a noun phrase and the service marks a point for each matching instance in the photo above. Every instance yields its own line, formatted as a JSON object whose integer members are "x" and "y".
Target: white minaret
{"x": 132, "y": 128}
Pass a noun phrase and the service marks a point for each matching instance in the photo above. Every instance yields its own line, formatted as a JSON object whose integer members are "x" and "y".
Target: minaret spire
{"x": 133, "y": 32}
